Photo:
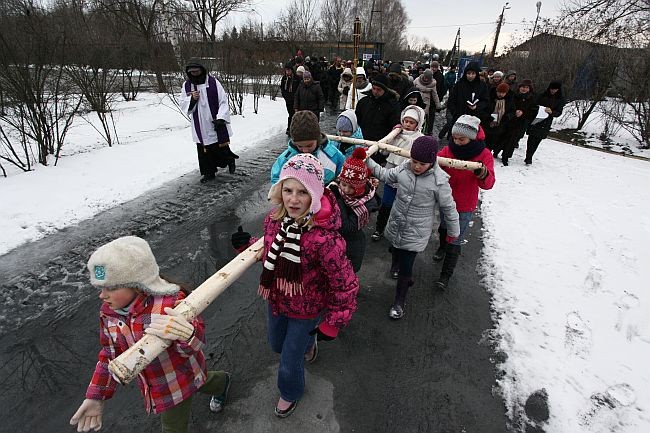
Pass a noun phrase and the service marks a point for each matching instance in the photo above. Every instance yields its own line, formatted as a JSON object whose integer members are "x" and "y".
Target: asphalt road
{"x": 432, "y": 371}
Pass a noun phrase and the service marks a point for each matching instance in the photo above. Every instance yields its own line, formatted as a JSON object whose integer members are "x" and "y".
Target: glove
{"x": 450, "y": 239}
{"x": 240, "y": 240}
{"x": 481, "y": 172}
{"x": 170, "y": 326}
{"x": 88, "y": 416}
{"x": 219, "y": 123}
{"x": 398, "y": 126}
{"x": 320, "y": 335}
{"x": 346, "y": 89}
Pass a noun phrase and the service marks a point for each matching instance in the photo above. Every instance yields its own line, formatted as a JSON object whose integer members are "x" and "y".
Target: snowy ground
{"x": 566, "y": 243}
{"x": 155, "y": 147}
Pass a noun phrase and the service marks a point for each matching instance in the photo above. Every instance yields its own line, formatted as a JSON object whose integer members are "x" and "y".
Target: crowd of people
{"x": 323, "y": 193}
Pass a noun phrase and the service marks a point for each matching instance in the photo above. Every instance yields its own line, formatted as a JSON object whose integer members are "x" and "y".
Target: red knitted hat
{"x": 355, "y": 171}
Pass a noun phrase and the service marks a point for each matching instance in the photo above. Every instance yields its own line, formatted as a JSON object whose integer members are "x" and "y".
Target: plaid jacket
{"x": 171, "y": 378}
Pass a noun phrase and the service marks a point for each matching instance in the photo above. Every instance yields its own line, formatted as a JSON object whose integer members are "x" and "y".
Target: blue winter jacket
{"x": 326, "y": 152}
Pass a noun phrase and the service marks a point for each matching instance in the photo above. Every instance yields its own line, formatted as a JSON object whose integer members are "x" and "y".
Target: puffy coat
{"x": 355, "y": 239}
{"x": 463, "y": 91}
{"x": 554, "y": 102}
{"x": 405, "y": 139}
{"x": 327, "y": 153}
{"x": 412, "y": 217}
{"x": 464, "y": 184}
{"x": 329, "y": 284}
{"x": 377, "y": 116}
{"x": 309, "y": 97}
{"x": 429, "y": 93}
{"x": 342, "y": 88}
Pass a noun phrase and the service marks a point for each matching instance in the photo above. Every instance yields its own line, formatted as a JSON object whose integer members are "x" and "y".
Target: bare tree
{"x": 299, "y": 21}
{"x": 335, "y": 19}
{"x": 204, "y": 15}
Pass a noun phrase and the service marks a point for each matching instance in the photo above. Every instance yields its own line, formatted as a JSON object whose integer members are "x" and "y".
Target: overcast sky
{"x": 438, "y": 21}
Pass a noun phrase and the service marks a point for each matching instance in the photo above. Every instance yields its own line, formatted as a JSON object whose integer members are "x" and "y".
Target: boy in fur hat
{"x": 306, "y": 137}
{"x": 137, "y": 301}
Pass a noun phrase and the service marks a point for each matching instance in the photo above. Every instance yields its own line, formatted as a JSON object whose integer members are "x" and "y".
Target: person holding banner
{"x": 137, "y": 301}
{"x": 205, "y": 102}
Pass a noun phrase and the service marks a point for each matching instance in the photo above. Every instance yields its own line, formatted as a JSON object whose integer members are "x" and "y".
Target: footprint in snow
{"x": 609, "y": 411}
{"x": 577, "y": 335}
{"x": 633, "y": 320}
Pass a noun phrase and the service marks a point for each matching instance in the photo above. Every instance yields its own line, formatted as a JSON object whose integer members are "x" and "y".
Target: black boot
{"x": 382, "y": 219}
{"x": 451, "y": 258}
{"x": 440, "y": 252}
{"x": 397, "y": 310}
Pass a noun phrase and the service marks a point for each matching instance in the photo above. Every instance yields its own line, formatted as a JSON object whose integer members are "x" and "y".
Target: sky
{"x": 439, "y": 21}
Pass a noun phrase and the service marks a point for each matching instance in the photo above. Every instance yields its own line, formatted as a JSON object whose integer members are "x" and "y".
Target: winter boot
{"x": 440, "y": 252}
{"x": 397, "y": 310}
{"x": 382, "y": 220}
{"x": 451, "y": 258}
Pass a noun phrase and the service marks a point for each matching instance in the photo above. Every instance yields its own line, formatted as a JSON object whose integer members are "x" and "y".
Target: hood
{"x": 413, "y": 91}
{"x": 415, "y": 112}
{"x": 200, "y": 79}
{"x": 347, "y": 71}
{"x": 351, "y": 115}
{"x": 329, "y": 215}
{"x": 472, "y": 66}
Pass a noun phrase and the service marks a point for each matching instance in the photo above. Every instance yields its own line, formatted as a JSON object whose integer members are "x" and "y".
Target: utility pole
{"x": 373, "y": 11}
{"x": 499, "y": 24}
{"x": 539, "y": 8}
{"x": 455, "y": 49}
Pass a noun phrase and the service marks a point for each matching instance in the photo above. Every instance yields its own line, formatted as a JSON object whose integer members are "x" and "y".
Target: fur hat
{"x": 306, "y": 169}
{"x": 526, "y": 82}
{"x": 304, "y": 126}
{"x": 424, "y": 149}
{"x": 355, "y": 172}
{"x": 128, "y": 262}
{"x": 380, "y": 80}
{"x": 503, "y": 88}
{"x": 466, "y": 126}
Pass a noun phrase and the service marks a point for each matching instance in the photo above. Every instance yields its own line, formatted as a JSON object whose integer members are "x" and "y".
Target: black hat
{"x": 380, "y": 80}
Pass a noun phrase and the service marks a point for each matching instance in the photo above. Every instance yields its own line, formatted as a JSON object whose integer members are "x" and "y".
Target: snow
{"x": 565, "y": 258}
{"x": 155, "y": 147}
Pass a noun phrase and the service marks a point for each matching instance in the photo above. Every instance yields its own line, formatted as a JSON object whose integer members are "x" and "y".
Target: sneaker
{"x": 396, "y": 312}
{"x": 376, "y": 236}
{"x": 208, "y": 178}
{"x": 286, "y": 412}
{"x": 217, "y": 402}
{"x": 443, "y": 282}
{"x": 310, "y": 357}
{"x": 231, "y": 166}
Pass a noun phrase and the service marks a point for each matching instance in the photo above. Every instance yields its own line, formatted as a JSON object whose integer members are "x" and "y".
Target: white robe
{"x": 205, "y": 116}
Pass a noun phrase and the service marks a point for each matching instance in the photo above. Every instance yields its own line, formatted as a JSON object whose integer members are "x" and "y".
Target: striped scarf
{"x": 282, "y": 263}
{"x": 358, "y": 206}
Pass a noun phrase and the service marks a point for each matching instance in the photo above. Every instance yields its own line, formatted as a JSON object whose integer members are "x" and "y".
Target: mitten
{"x": 323, "y": 331}
{"x": 346, "y": 89}
{"x": 170, "y": 326}
{"x": 450, "y": 239}
{"x": 240, "y": 240}
{"x": 89, "y": 415}
{"x": 398, "y": 126}
{"x": 481, "y": 172}
{"x": 219, "y": 123}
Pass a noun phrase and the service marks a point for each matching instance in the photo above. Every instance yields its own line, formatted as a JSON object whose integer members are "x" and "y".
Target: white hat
{"x": 414, "y": 112}
{"x": 361, "y": 71}
{"x": 300, "y": 69}
{"x": 466, "y": 126}
{"x": 128, "y": 262}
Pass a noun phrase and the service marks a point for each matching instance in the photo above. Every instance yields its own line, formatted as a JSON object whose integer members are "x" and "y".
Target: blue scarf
{"x": 467, "y": 151}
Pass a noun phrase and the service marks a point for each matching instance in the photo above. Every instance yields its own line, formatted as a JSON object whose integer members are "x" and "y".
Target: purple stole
{"x": 213, "y": 102}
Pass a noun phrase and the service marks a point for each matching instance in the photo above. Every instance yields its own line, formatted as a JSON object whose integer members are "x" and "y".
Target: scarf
{"x": 282, "y": 263}
{"x": 468, "y": 151}
{"x": 500, "y": 109}
{"x": 358, "y": 205}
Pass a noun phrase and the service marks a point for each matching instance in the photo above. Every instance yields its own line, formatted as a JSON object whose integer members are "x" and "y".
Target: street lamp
{"x": 261, "y": 24}
{"x": 539, "y": 8}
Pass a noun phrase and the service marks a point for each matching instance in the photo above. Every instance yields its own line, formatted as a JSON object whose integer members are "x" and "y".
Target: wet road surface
{"x": 432, "y": 371}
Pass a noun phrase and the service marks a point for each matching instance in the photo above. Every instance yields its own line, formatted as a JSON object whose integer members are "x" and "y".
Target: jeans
{"x": 290, "y": 338}
{"x": 464, "y": 219}
{"x": 389, "y": 196}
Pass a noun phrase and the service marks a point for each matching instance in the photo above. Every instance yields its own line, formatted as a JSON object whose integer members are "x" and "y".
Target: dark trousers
{"x": 403, "y": 261}
{"x": 213, "y": 156}
{"x": 289, "y": 104}
{"x": 531, "y": 147}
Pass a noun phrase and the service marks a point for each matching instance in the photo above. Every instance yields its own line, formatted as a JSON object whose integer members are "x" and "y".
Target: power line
{"x": 461, "y": 25}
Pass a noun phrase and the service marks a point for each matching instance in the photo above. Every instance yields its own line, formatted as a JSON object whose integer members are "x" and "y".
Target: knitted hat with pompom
{"x": 355, "y": 171}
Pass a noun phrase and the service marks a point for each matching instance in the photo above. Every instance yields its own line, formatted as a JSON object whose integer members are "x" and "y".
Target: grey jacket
{"x": 412, "y": 217}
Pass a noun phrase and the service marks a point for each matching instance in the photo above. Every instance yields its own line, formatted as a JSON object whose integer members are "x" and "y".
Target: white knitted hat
{"x": 128, "y": 262}
{"x": 466, "y": 126}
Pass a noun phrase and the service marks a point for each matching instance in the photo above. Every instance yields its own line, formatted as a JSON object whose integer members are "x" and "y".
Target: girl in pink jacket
{"x": 467, "y": 144}
{"x": 306, "y": 274}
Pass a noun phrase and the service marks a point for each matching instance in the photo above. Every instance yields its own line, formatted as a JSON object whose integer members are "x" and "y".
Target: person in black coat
{"x": 397, "y": 81}
{"x": 501, "y": 110}
{"x": 553, "y": 101}
{"x": 309, "y": 96}
{"x": 412, "y": 97}
{"x": 525, "y": 110}
{"x": 441, "y": 87}
{"x": 288, "y": 86}
{"x": 469, "y": 95}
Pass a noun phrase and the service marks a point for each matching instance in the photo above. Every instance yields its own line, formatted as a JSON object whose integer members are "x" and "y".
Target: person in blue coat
{"x": 306, "y": 137}
{"x": 347, "y": 126}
